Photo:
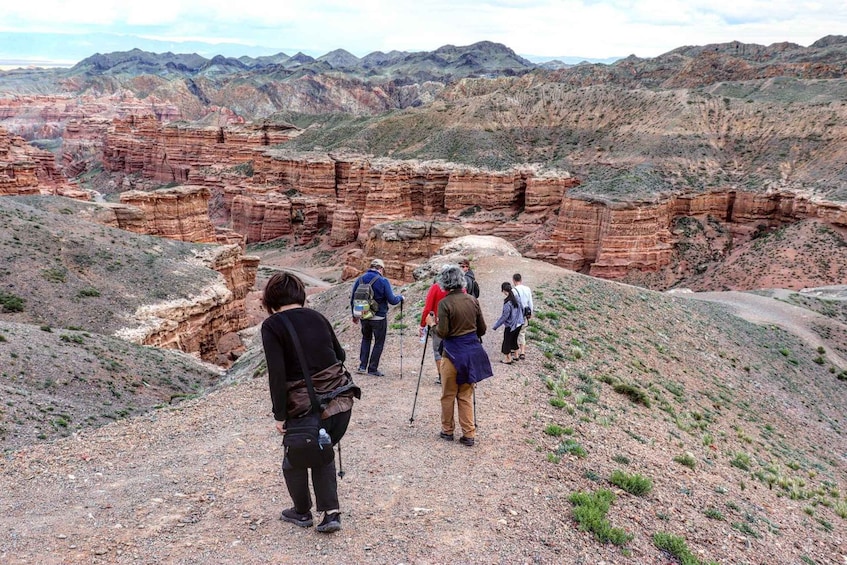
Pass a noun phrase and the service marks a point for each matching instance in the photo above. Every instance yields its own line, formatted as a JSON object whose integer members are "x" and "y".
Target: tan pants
{"x": 460, "y": 394}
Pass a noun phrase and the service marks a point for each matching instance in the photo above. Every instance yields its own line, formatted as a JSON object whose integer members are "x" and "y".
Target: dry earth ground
{"x": 200, "y": 482}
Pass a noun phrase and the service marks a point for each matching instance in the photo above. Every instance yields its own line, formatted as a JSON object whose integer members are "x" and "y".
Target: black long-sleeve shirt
{"x": 320, "y": 348}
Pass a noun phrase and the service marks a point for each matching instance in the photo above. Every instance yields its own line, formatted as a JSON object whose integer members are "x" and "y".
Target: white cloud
{"x": 590, "y": 28}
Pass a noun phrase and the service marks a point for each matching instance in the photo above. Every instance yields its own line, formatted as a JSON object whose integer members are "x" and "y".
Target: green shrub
{"x": 555, "y": 430}
{"x": 635, "y": 393}
{"x": 676, "y": 546}
{"x": 741, "y": 461}
{"x": 686, "y": 459}
{"x": 633, "y": 484}
{"x": 571, "y": 446}
{"x": 713, "y": 513}
{"x": 11, "y": 303}
{"x": 86, "y": 292}
{"x": 55, "y": 274}
{"x": 590, "y": 511}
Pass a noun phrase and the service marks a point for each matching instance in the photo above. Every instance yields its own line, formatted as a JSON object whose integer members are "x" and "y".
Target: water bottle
{"x": 424, "y": 330}
{"x": 323, "y": 438}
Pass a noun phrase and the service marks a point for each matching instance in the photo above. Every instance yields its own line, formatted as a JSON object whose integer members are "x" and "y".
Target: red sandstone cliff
{"x": 25, "y": 169}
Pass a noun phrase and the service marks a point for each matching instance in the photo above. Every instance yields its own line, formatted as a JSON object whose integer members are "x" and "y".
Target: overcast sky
{"x": 544, "y": 28}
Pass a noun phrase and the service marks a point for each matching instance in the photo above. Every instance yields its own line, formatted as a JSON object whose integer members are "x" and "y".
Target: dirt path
{"x": 766, "y": 310}
{"x": 201, "y": 483}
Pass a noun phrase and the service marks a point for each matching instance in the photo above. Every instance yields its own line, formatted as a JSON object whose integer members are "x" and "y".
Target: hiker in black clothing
{"x": 471, "y": 287}
{"x": 284, "y": 298}
{"x": 374, "y": 329}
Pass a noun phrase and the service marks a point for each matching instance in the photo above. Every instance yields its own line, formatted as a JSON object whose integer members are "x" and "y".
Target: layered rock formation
{"x": 610, "y": 239}
{"x": 167, "y": 153}
{"x": 403, "y": 246}
{"x": 176, "y": 213}
{"x": 25, "y": 169}
{"x": 205, "y": 324}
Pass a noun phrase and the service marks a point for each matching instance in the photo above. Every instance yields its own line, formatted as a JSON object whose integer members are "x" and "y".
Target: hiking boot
{"x": 291, "y": 515}
{"x": 376, "y": 373}
{"x": 468, "y": 441}
{"x": 445, "y": 435}
{"x": 362, "y": 370}
{"x": 330, "y": 523}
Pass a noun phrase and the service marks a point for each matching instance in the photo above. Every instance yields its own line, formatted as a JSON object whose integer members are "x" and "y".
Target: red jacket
{"x": 433, "y": 297}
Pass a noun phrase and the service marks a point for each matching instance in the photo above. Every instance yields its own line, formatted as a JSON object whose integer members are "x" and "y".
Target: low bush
{"x": 633, "y": 484}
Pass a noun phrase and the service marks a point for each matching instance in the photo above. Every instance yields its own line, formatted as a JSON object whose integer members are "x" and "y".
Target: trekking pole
{"x": 402, "y": 335}
{"x": 340, "y": 466}
{"x": 420, "y": 372}
{"x": 474, "y": 406}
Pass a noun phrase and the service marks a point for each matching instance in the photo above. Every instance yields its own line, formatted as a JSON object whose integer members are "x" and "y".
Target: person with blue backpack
{"x": 373, "y": 316}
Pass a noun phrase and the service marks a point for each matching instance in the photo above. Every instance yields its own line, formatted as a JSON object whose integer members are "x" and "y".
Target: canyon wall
{"x": 168, "y": 152}
{"x": 25, "y": 169}
{"x": 205, "y": 324}
{"x": 347, "y": 196}
{"x": 609, "y": 239}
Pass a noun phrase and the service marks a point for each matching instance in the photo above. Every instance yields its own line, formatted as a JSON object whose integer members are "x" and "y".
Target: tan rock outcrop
{"x": 197, "y": 324}
{"x": 403, "y": 246}
{"x": 176, "y": 213}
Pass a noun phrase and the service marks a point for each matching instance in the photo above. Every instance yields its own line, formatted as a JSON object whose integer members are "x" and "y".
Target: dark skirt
{"x": 510, "y": 340}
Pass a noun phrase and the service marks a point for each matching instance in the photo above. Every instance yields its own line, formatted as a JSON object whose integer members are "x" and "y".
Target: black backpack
{"x": 473, "y": 287}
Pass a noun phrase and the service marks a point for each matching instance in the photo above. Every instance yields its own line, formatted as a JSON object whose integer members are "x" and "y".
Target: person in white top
{"x": 524, "y": 294}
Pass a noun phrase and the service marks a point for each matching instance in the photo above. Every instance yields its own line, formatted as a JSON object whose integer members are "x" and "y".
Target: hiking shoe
{"x": 468, "y": 441}
{"x": 362, "y": 370}
{"x": 521, "y": 356}
{"x": 291, "y": 515}
{"x": 445, "y": 435}
{"x": 376, "y": 373}
{"x": 330, "y": 523}
{"x": 438, "y": 381}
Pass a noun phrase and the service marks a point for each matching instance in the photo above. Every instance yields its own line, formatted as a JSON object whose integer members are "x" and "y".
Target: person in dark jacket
{"x": 471, "y": 286}
{"x": 374, "y": 329}
{"x": 512, "y": 319}
{"x": 284, "y": 297}
{"x": 461, "y": 326}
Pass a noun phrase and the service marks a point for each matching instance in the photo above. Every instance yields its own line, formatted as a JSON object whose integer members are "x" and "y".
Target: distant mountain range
{"x": 40, "y": 49}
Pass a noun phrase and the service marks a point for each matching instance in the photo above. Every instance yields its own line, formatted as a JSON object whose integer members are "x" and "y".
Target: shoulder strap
{"x": 312, "y": 396}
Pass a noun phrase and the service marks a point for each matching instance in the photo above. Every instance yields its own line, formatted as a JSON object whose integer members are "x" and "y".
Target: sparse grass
{"x": 622, "y": 459}
{"x": 635, "y": 393}
{"x": 55, "y": 274}
{"x": 11, "y": 303}
{"x": 633, "y": 484}
{"x": 590, "y": 511}
{"x": 676, "y": 546}
{"x": 747, "y": 529}
{"x": 686, "y": 459}
{"x": 741, "y": 461}
{"x": 713, "y": 513}
{"x": 573, "y": 447}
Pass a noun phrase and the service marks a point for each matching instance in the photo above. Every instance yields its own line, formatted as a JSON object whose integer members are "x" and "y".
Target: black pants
{"x": 510, "y": 340}
{"x": 323, "y": 478}
{"x": 372, "y": 331}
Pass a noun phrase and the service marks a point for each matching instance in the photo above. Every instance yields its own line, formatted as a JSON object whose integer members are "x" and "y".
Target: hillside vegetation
{"x": 66, "y": 286}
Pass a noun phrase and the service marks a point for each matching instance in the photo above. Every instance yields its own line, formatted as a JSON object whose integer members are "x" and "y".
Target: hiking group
{"x": 312, "y": 394}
